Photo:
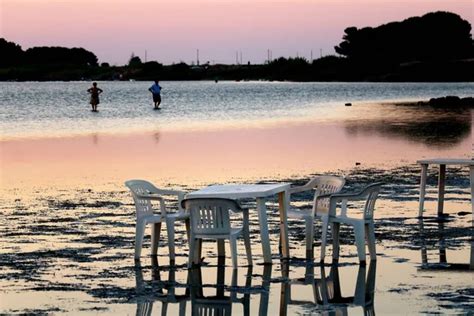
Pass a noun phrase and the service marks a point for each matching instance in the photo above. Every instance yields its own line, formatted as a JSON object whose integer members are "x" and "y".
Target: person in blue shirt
{"x": 155, "y": 90}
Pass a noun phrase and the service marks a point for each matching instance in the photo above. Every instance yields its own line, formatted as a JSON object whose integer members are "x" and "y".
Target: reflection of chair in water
{"x": 329, "y": 288}
{"x": 150, "y": 291}
{"x": 443, "y": 260}
{"x": 308, "y": 279}
{"x": 218, "y": 304}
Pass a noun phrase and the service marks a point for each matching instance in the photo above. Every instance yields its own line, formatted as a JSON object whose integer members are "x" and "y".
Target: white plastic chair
{"x": 363, "y": 226}
{"x": 324, "y": 186}
{"x": 143, "y": 192}
{"x": 210, "y": 219}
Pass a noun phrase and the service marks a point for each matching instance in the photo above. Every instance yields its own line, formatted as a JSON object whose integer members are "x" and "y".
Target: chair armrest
{"x": 150, "y": 196}
{"x": 344, "y": 198}
{"x": 338, "y": 197}
{"x": 171, "y": 192}
{"x": 347, "y": 197}
{"x": 179, "y": 194}
{"x": 300, "y": 188}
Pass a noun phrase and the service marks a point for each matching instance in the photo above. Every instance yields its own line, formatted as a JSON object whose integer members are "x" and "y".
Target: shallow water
{"x": 67, "y": 224}
{"x": 33, "y": 109}
{"x": 72, "y": 252}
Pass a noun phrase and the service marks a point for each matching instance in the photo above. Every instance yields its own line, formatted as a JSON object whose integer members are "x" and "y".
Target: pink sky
{"x": 171, "y": 31}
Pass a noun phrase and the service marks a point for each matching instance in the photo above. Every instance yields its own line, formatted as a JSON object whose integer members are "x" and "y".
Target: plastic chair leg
{"x": 309, "y": 237}
{"x": 221, "y": 248}
{"x": 192, "y": 251}
{"x": 335, "y": 228}
{"x": 155, "y": 238}
{"x": 170, "y": 230}
{"x": 233, "y": 251}
{"x": 187, "y": 222}
{"x": 246, "y": 235}
{"x": 359, "y": 233}
{"x": 139, "y": 233}
{"x": 248, "y": 246}
{"x": 325, "y": 224}
{"x": 370, "y": 234}
{"x": 198, "y": 251}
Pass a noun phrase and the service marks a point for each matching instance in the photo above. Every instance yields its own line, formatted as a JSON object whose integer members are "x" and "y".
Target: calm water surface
{"x": 68, "y": 224}
{"x": 61, "y": 108}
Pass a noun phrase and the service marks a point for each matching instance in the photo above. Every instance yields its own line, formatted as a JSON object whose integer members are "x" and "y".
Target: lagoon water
{"x": 68, "y": 225}
{"x": 35, "y": 109}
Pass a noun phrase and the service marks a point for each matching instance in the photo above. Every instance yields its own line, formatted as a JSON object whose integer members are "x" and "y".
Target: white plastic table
{"x": 259, "y": 192}
{"x": 443, "y": 162}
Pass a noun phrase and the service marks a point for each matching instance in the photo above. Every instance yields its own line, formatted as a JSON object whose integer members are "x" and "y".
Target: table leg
{"x": 441, "y": 184}
{"x": 262, "y": 219}
{"x": 284, "y": 202}
{"x": 424, "y": 171}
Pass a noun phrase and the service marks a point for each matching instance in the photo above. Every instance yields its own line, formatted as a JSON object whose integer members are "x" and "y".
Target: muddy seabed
{"x": 71, "y": 251}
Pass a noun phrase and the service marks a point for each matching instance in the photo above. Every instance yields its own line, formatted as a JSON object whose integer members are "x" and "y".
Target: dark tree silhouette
{"x": 60, "y": 55}
{"x": 134, "y": 61}
{"x": 11, "y": 53}
{"x": 435, "y": 36}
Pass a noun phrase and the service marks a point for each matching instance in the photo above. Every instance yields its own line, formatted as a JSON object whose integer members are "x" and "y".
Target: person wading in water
{"x": 155, "y": 90}
{"x": 94, "y": 92}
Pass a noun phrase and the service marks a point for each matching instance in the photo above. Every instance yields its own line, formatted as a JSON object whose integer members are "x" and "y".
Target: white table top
{"x": 446, "y": 161}
{"x": 240, "y": 191}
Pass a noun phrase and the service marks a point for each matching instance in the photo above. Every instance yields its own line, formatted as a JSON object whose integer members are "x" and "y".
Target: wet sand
{"x": 67, "y": 230}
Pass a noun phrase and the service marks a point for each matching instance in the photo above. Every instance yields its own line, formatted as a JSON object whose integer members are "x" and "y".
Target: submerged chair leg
{"x": 155, "y": 238}
{"x": 139, "y": 233}
{"x": 309, "y": 237}
{"x": 335, "y": 228}
{"x": 359, "y": 233}
{"x": 370, "y": 234}
{"x": 324, "y": 233}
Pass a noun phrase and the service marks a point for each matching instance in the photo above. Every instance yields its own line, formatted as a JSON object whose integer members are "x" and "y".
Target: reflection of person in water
{"x": 155, "y": 90}
{"x": 94, "y": 92}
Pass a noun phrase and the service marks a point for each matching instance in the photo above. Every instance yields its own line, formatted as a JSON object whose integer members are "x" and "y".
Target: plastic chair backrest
{"x": 140, "y": 187}
{"x": 372, "y": 191}
{"x": 210, "y": 216}
{"x": 325, "y": 185}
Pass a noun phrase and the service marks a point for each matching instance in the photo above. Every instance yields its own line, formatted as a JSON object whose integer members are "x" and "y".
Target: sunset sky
{"x": 171, "y": 31}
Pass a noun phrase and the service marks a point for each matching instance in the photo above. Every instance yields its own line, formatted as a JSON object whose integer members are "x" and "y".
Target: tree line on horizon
{"x": 434, "y": 47}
